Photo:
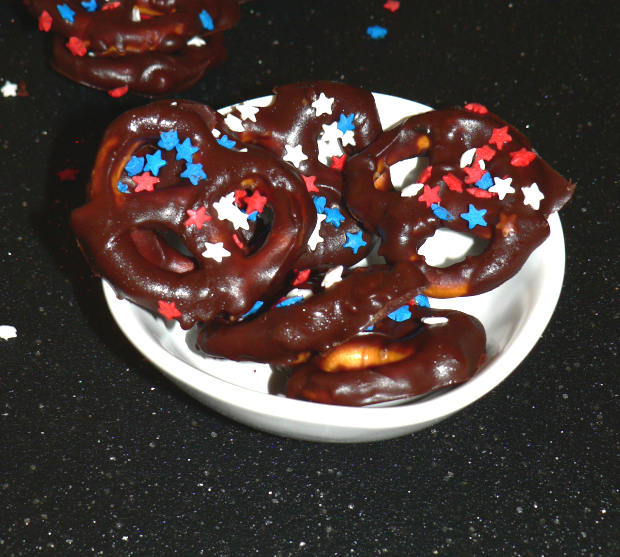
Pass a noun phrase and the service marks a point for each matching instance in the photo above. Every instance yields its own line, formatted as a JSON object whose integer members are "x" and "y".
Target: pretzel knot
{"x": 167, "y": 223}
{"x": 482, "y": 178}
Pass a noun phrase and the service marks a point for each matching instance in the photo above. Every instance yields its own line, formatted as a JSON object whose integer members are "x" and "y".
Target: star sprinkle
{"x": 334, "y": 216}
{"x": 354, "y": 241}
{"x": 118, "y": 92}
{"x": 7, "y": 332}
{"x": 453, "y": 182}
{"x": 479, "y": 193}
{"x": 66, "y": 12}
{"x": 338, "y": 162}
{"x": 500, "y": 136}
{"x": 331, "y": 133}
{"x": 485, "y": 153}
{"x": 154, "y": 163}
{"x": 247, "y": 111}
{"x": 477, "y": 108}
{"x": 168, "y": 140}
{"x": 532, "y": 196}
{"x": 411, "y": 190}
{"x": 474, "y": 217}
{"x": 76, "y": 46}
{"x": 197, "y": 217}
{"x": 185, "y": 151}
{"x": 206, "y": 20}
{"x": 474, "y": 173}
{"x": 255, "y": 202}
{"x": 254, "y": 309}
{"x": 333, "y": 276}
{"x": 502, "y": 187}
{"x": 144, "y": 182}
{"x": 227, "y": 210}
{"x": 376, "y": 32}
{"x": 90, "y": 5}
{"x": 194, "y": 173}
{"x": 315, "y": 237}
{"x": 319, "y": 203}
{"x": 301, "y": 277}
{"x": 226, "y": 142}
{"x": 291, "y": 301}
{"x": 430, "y": 195}
{"x": 168, "y": 309}
{"x": 441, "y": 212}
{"x": 45, "y": 21}
{"x": 485, "y": 182}
{"x": 110, "y": 6}
{"x": 123, "y": 188}
{"x": 345, "y": 123}
{"x": 9, "y": 89}
{"x": 392, "y": 5}
{"x": 467, "y": 157}
{"x": 323, "y": 105}
{"x": 216, "y": 251}
{"x": 422, "y": 301}
{"x": 522, "y": 157}
{"x": 401, "y": 314}
{"x": 310, "y": 183}
{"x": 425, "y": 175}
{"x": 67, "y": 174}
{"x": 294, "y": 155}
{"x": 135, "y": 166}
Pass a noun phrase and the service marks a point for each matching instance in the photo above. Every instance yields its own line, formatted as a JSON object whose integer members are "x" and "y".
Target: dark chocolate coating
{"x": 513, "y": 229}
{"x": 292, "y": 120}
{"x": 114, "y": 229}
{"x": 442, "y": 355}
{"x": 284, "y": 335}
{"x": 150, "y": 73}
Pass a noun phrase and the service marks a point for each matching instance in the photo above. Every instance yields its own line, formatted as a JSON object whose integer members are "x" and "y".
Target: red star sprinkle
{"x": 118, "y": 91}
{"x": 474, "y": 173}
{"x": 430, "y": 195}
{"x": 237, "y": 241}
{"x": 197, "y": 217}
{"x": 477, "y": 108}
{"x": 110, "y": 6}
{"x": 522, "y": 157}
{"x": 76, "y": 46}
{"x": 240, "y": 196}
{"x": 453, "y": 182}
{"x": 144, "y": 181}
{"x": 45, "y": 21}
{"x": 309, "y": 181}
{"x": 255, "y": 202}
{"x": 391, "y": 5}
{"x": 302, "y": 276}
{"x": 485, "y": 153}
{"x": 500, "y": 136}
{"x": 338, "y": 162}
{"x": 426, "y": 174}
{"x": 479, "y": 192}
{"x": 67, "y": 174}
{"x": 168, "y": 309}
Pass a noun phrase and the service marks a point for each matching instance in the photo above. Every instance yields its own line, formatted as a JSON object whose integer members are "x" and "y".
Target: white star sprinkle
{"x": 331, "y": 133}
{"x": 467, "y": 157}
{"x": 7, "y": 332}
{"x": 411, "y": 190}
{"x": 233, "y": 123}
{"x": 196, "y": 41}
{"x": 323, "y": 105}
{"x": 247, "y": 111}
{"x": 332, "y": 276}
{"x": 532, "y": 196}
{"x": 348, "y": 138}
{"x": 215, "y": 251}
{"x": 315, "y": 237}
{"x": 9, "y": 89}
{"x": 227, "y": 210}
{"x": 294, "y": 155}
{"x": 502, "y": 187}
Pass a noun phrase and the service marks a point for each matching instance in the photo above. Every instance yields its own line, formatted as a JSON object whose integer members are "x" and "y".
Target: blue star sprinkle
{"x": 376, "y": 32}
{"x": 225, "y": 141}
{"x": 206, "y": 20}
{"x": 123, "y": 188}
{"x": 345, "y": 123}
{"x": 334, "y": 216}
{"x": 290, "y": 301}
{"x": 90, "y": 5}
{"x": 422, "y": 301}
{"x": 65, "y": 12}
{"x": 135, "y": 166}
{"x": 474, "y": 216}
{"x": 401, "y": 314}
{"x": 485, "y": 182}
{"x": 354, "y": 241}
{"x": 168, "y": 140}
{"x": 257, "y": 305}
{"x": 154, "y": 162}
{"x": 185, "y": 151}
{"x": 253, "y": 216}
{"x": 440, "y": 212}
{"x": 194, "y": 173}
{"x": 319, "y": 203}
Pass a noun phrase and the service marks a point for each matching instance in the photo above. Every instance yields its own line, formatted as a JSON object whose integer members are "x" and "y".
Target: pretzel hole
{"x": 255, "y": 237}
{"x": 164, "y": 249}
{"x": 406, "y": 172}
{"x": 447, "y": 247}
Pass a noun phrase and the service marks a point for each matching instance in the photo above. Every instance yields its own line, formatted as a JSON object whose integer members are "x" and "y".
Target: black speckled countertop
{"x": 100, "y": 454}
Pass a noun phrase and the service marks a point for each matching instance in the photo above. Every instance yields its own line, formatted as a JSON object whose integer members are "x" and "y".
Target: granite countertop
{"x": 101, "y": 454}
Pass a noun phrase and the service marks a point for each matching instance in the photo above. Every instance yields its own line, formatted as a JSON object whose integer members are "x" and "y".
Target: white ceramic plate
{"x": 514, "y": 316}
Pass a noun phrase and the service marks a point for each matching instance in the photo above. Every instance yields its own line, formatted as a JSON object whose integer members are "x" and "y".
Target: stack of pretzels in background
{"x": 149, "y": 47}
{"x": 251, "y": 225}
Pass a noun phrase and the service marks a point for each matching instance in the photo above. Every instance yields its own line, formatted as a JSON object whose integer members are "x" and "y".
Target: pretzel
{"x": 397, "y": 360}
{"x": 483, "y": 178}
{"x": 316, "y": 127}
{"x": 161, "y": 171}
